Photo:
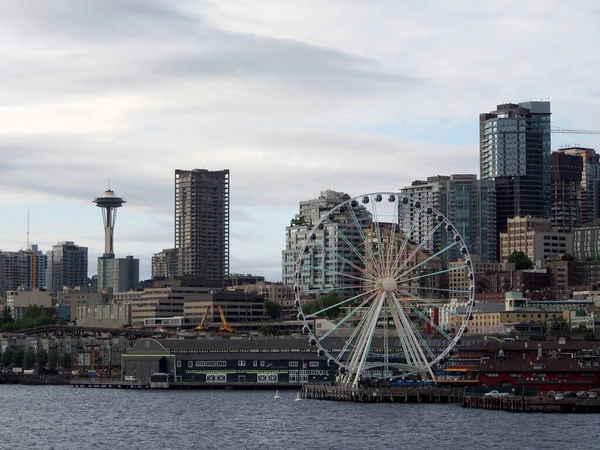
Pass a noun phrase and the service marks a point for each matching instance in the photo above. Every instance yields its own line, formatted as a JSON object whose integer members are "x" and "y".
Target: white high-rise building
{"x": 321, "y": 268}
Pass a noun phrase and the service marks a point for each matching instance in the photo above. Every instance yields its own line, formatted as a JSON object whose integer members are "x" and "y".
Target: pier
{"x": 379, "y": 395}
{"x": 532, "y": 404}
{"x": 108, "y": 383}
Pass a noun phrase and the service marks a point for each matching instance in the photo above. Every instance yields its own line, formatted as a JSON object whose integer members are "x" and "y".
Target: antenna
{"x": 27, "y": 230}
{"x": 109, "y": 184}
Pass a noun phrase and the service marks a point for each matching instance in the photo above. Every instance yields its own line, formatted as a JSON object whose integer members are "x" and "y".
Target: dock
{"x": 532, "y": 404}
{"x": 108, "y": 383}
{"x": 379, "y": 395}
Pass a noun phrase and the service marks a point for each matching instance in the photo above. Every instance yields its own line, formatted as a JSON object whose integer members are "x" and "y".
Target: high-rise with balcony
{"x": 202, "y": 224}
{"x": 589, "y": 189}
{"x": 515, "y": 153}
{"x": 566, "y": 181}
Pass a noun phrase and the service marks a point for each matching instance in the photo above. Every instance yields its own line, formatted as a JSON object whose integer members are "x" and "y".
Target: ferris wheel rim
{"x": 351, "y": 203}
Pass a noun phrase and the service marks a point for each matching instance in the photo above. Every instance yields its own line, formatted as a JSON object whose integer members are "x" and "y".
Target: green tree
{"x": 7, "y": 357}
{"x": 66, "y": 361}
{"x": 41, "y": 357}
{"x": 273, "y": 309}
{"x": 6, "y": 316}
{"x": 53, "y": 358}
{"x": 18, "y": 358}
{"x": 559, "y": 325}
{"x": 327, "y": 301}
{"x": 521, "y": 260}
{"x": 29, "y": 359}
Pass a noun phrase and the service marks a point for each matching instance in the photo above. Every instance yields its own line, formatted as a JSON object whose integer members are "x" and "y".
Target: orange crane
{"x": 202, "y": 326}
{"x": 224, "y": 325}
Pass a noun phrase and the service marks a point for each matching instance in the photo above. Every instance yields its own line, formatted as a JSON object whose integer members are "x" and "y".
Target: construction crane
{"x": 570, "y": 131}
{"x": 224, "y": 325}
{"x": 202, "y": 326}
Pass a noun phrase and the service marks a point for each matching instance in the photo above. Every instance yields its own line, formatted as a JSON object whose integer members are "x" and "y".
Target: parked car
{"x": 559, "y": 396}
{"x": 592, "y": 394}
{"x": 130, "y": 378}
{"x": 495, "y": 394}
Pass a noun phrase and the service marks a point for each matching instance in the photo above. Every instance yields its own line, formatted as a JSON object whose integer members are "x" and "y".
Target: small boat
{"x": 298, "y": 397}
{"x": 277, "y": 394}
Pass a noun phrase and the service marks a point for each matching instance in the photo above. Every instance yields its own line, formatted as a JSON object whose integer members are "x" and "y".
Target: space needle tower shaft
{"x": 109, "y": 204}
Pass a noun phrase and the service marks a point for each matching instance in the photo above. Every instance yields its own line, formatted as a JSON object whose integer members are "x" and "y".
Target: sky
{"x": 294, "y": 97}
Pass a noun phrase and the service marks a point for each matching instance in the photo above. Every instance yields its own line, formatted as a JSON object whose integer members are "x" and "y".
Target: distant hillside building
{"x": 536, "y": 238}
{"x": 202, "y": 224}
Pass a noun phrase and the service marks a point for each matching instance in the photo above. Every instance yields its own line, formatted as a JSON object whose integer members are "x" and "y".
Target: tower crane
{"x": 202, "y": 326}
{"x": 224, "y": 325}
{"x": 570, "y": 131}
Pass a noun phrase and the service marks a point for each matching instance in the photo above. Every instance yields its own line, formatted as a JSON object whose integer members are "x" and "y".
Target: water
{"x": 56, "y": 417}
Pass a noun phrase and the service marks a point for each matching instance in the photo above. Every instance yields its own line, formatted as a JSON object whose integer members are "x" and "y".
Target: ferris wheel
{"x": 384, "y": 285}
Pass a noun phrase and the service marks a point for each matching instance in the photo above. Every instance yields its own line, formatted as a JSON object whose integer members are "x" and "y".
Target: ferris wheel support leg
{"x": 413, "y": 341}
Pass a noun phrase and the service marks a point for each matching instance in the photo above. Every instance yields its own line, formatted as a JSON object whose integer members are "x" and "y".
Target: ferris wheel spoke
{"x": 352, "y": 337}
{"x": 407, "y": 238}
{"x": 431, "y": 322}
{"x": 348, "y": 316}
{"x": 336, "y": 254}
{"x": 380, "y": 245}
{"x": 343, "y": 302}
{"x": 435, "y": 255}
{"x": 332, "y": 289}
{"x": 392, "y": 240}
{"x": 434, "y": 304}
{"x": 418, "y": 248}
{"x": 401, "y": 335}
{"x": 368, "y": 248}
{"x": 352, "y": 247}
{"x": 323, "y": 269}
{"x": 440, "y": 272}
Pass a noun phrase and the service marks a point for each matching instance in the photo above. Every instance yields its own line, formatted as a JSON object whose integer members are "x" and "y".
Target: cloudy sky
{"x": 292, "y": 96}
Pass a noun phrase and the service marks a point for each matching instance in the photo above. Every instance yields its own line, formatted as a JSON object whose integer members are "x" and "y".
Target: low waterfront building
{"x": 259, "y": 360}
{"x": 73, "y": 298}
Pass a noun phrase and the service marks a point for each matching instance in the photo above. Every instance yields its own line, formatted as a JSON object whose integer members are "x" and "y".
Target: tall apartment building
{"x": 468, "y": 203}
{"x": 119, "y": 274}
{"x": 202, "y": 224}
{"x": 515, "y": 153}
{"x": 22, "y": 269}
{"x": 566, "y": 173}
{"x": 68, "y": 266}
{"x": 586, "y": 243}
{"x": 536, "y": 238}
{"x": 589, "y": 198}
{"x": 296, "y": 234}
{"x": 164, "y": 264}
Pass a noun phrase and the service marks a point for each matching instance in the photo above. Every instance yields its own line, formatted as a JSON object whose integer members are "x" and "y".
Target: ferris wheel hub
{"x": 389, "y": 284}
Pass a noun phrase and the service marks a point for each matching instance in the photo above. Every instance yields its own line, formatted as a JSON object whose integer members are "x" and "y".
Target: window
{"x": 241, "y": 363}
{"x": 211, "y": 364}
{"x": 254, "y": 363}
{"x": 221, "y": 363}
{"x": 190, "y": 364}
{"x": 314, "y": 364}
{"x": 198, "y": 363}
{"x": 293, "y": 364}
{"x": 262, "y": 364}
{"x": 178, "y": 363}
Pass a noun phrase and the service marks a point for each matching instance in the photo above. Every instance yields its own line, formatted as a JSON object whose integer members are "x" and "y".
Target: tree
{"x": 29, "y": 359}
{"x": 53, "y": 357}
{"x": 41, "y": 357}
{"x": 7, "y": 357}
{"x": 559, "y": 325}
{"x": 273, "y": 309}
{"x": 521, "y": 260}
{"x": 6, "y": 317}
{"x": 66, "y": 361}
{"x": 327, "y": 301}
{"x": 18, "y": 358}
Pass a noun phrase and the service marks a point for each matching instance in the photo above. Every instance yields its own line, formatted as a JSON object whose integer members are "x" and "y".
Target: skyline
{"x": 291, "y": 105}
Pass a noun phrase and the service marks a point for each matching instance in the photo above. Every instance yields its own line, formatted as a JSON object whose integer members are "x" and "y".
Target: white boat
{"x": 277, "y": 394}
{"x": 298, "y": 397}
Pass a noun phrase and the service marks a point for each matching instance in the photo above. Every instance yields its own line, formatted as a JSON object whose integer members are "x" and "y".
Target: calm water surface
{"x": 53, "y": 417}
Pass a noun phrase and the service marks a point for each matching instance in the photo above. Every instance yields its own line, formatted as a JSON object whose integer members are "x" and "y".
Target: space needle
{"x": 109, "y": 203}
